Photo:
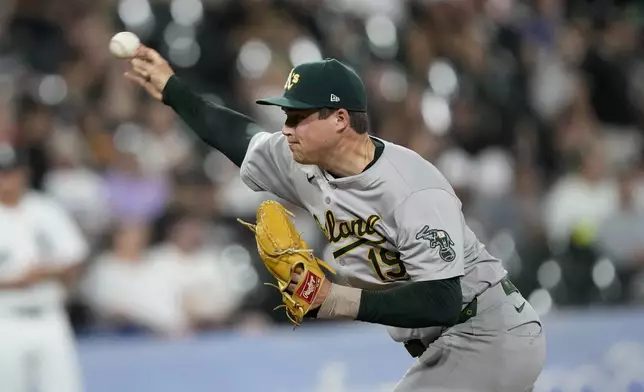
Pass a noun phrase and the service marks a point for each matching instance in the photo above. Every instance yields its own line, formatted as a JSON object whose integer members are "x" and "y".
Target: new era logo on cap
{"x": 335, "y": 98}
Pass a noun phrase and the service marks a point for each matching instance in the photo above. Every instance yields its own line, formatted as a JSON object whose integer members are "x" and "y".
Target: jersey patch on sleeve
{"x": 438, "y": 239}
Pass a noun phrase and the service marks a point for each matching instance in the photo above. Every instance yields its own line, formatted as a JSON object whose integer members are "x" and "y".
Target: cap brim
{"x": 285, "y": 103}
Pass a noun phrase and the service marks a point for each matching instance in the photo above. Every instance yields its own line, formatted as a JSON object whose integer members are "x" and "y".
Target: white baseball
{"x": 123, "y": 44}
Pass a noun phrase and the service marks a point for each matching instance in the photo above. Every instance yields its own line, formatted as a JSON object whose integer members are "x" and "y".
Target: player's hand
{"x": 322, "y": 294}
{"x": 150, "y": 71}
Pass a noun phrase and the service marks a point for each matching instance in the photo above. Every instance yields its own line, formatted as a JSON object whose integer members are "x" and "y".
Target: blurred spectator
{"x": 174, "y": 288}
{"x": 124, "y": 288}
{"x": 207, "y": 289}
{"x": 75, "y": 185}
{"x": 621, "y": 234}
{"x": 166, "y": 147}
{"x": 36, "y": 123}
{"x": 133, "y": 194}
{"x": 578, "y": 203}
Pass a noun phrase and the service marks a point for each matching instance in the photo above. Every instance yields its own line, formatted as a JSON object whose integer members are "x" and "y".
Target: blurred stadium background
{"x": 532, "y": 109}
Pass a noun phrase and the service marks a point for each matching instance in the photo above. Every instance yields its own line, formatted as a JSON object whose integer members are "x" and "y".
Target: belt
{"x": 416, "y": 347}
{"x": 27, "y": 311}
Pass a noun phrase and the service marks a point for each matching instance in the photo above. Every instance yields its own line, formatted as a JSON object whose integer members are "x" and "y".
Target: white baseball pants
{"x": 37, "y": 352}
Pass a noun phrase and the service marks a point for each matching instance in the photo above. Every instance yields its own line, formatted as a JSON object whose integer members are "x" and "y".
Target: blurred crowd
{"x": 532, "y": 109}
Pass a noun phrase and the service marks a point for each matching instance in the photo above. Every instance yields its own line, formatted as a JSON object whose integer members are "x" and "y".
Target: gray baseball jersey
{"x": 398, "y": 221}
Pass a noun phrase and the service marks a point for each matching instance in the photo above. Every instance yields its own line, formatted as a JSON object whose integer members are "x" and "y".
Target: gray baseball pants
{"x": 500, "y": 349}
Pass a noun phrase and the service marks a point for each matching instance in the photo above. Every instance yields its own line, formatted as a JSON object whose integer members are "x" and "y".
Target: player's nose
{"x": 287, "y": 131}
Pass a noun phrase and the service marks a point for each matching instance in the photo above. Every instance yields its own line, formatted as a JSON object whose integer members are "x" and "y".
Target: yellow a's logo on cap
{"x": 292, "y": 79}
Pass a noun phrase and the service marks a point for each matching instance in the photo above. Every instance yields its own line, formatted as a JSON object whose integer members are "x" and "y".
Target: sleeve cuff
{"x": 172, "y": 89}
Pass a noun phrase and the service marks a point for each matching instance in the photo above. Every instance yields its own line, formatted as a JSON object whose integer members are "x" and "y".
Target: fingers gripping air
{"x": 286, "y": 255}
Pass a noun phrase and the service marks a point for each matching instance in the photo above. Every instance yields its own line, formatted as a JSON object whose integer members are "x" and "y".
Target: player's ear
{"x": 342, "y": 119}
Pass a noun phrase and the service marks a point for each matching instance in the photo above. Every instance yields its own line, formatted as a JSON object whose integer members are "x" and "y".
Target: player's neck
{"x": 350, "y": 157}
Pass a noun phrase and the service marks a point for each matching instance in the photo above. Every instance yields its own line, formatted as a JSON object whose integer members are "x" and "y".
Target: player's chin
{"x": 300, "y": 158}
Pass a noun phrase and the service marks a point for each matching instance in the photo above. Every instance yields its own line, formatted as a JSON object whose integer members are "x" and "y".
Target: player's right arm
{"x": 262, "y": 156}
{"x": 222, "y": 128}
{"x": 226, "y": 130}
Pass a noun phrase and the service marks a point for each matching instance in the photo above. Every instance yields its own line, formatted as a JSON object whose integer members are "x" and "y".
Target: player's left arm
{"x": 431, "y": 242}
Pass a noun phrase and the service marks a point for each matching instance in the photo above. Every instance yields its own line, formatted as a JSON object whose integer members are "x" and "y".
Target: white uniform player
{"x": 40, "y": 248}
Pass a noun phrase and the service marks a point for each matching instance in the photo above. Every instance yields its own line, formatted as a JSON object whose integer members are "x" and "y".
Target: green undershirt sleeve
{"x": 220, "y": 127}
{"x": 414, "y": 305}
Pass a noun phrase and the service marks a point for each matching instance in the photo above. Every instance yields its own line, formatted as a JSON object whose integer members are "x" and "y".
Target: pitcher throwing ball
{"x": 395, "y": 225}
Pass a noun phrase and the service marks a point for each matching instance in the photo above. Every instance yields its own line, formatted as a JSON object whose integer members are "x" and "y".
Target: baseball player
{"x": 400, "y": 242}
{"x": 40, "y": 250}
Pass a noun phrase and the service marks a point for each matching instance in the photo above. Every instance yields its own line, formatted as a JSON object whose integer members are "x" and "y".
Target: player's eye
{"x": 293, "y": 120}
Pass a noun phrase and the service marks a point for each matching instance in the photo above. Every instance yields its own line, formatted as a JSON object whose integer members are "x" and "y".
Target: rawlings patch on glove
{"x": 284, "y": 254}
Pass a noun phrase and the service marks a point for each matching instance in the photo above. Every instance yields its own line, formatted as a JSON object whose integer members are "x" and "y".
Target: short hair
{"x": 359, "y": 121}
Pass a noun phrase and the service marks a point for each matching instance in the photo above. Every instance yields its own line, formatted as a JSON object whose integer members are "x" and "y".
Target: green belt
{"x": 416, "y": 346}
{"x": 470, "y": 310}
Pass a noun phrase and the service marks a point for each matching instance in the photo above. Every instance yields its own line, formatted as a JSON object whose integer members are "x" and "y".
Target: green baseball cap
{"x": 322, "y": 84}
